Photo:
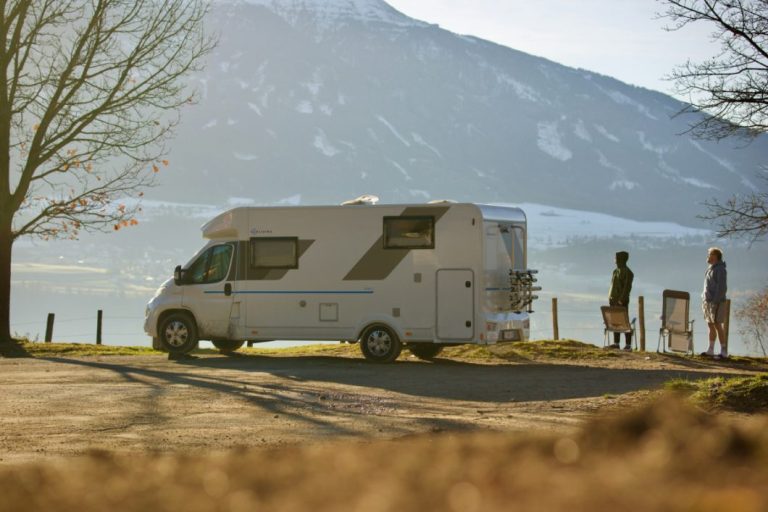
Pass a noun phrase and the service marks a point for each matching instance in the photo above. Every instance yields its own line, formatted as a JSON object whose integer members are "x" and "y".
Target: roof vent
{"x": 368, "y": 199}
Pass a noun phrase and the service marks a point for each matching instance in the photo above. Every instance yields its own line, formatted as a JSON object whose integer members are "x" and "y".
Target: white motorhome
{"x": 422, "y": 276}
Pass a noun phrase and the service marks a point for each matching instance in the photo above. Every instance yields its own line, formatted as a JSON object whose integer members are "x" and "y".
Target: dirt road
{"x": 58, "y": 406}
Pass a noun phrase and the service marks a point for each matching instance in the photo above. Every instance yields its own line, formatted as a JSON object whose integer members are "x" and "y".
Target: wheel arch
{"x": 384, "y": 320}
{"x": 168, "y": 312}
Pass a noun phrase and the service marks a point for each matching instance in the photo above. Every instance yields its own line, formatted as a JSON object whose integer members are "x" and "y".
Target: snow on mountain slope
{"x": 324, "y": 14}
{"x": 550, "y": 227}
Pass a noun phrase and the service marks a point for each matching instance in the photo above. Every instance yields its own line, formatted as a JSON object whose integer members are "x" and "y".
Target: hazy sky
{"x": 619, "y": 38}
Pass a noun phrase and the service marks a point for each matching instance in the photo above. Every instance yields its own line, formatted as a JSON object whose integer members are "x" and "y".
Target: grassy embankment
{"x": 543, "y": 349}
{"x": 741, "y": 394}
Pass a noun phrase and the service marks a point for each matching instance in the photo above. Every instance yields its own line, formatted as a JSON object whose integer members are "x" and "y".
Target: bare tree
{"x": 754, "y": 319}
{"x": 90, "y": 90}
{"x": 729, "y": 95}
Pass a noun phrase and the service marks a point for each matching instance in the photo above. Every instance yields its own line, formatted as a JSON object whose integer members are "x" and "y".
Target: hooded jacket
{"x": 715, "y": 283}
{"x": 621, "y": 280}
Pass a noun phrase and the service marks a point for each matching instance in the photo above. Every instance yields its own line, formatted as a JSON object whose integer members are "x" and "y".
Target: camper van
{"x": 421, "y": 276}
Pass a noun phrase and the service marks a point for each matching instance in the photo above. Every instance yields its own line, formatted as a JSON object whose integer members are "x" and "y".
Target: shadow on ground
{"x": 461, "y": 381}
{"x": 13, "y": 349}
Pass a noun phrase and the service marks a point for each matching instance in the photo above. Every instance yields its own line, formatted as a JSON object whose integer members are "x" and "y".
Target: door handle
{"x": 228, "y": 289}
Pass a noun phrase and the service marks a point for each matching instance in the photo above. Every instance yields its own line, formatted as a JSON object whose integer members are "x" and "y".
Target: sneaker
{"x": 615, "y": 345}
{"x": 721, "y": 356}
{"x": 628, "y": 348}
{"x": 707, "y": 354}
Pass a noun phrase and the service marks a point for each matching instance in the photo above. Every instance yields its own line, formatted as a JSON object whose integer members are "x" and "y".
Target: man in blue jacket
{"x": 713, "y": 302}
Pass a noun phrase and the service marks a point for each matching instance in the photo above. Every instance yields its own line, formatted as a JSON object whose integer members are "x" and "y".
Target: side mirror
{"x": 177, "y": 275}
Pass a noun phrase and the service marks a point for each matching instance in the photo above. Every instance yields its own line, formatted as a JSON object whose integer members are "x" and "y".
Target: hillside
{"x": 318, "y": 102}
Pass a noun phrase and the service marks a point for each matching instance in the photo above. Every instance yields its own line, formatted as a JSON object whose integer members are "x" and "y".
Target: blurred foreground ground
{"x": 300, "y": 433}
{"x": 663, "y": 457}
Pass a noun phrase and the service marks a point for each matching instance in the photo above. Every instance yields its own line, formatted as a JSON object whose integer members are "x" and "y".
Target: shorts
{"x": 714, "y": 312}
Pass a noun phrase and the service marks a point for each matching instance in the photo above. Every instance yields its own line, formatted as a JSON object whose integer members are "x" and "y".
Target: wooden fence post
{"x": 556, "y": 331}
{"x": 641, "y": 314}
{"x": 98, "y": 326}
{"x": 49, "y": 327}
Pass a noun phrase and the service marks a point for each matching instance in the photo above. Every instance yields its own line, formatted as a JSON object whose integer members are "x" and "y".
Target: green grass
{"x": 742, "y": 394}
{"x": 23, "y": 348}
{"x": 40, "y": 349}
{"x": 533, "y": 350}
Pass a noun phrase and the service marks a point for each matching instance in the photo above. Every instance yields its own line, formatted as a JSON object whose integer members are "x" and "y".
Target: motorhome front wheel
{"x": 380, "y": 344}
{"x": 178, "y": 333}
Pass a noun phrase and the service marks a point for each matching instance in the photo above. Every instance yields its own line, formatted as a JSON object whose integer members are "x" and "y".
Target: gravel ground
{"x": 65, "y": 406}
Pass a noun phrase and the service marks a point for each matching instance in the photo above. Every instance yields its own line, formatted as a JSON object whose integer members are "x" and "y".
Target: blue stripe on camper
{"x": 296, "y": 292}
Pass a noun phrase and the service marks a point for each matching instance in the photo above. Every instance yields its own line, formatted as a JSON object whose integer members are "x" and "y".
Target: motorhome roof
{"x": 501, "y": 213}
{"x": 224, "y": 224}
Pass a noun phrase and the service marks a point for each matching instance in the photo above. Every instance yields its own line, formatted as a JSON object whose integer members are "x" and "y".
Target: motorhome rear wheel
{"x": 228, "y": 345}
{"x": 380, "y": 344}
{"x": 425, "y": 350}
{"x": 178, "y": 333}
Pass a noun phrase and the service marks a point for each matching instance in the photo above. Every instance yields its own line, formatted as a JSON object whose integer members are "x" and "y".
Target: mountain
{"x": 319, "y": 101}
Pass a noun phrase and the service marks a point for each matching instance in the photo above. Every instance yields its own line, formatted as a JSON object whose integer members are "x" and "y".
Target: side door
{"x": 455, "y": 304}
{"x": 207, "y": 291}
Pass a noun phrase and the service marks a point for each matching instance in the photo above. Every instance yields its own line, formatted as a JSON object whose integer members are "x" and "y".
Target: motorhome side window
{"x": 409, "y": 232}
{"x": 211, "y": 266}
{"x": 272, "y": 252}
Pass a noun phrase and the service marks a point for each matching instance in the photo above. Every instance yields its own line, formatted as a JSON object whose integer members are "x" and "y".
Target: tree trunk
{"x": 6, "y": 244}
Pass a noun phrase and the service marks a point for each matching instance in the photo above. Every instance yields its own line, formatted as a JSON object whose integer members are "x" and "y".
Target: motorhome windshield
{"x": 211, "y": 266}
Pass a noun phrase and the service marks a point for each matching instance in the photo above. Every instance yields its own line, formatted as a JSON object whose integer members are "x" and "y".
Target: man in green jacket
{"x": 618, "y": 295}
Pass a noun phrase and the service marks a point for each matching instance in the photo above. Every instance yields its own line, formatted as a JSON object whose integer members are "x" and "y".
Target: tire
{"x": 380, "y": 344}
{"x": 426, "y": 351}
{"x": 227, "y": 346}
{"x": 178, "y": 333}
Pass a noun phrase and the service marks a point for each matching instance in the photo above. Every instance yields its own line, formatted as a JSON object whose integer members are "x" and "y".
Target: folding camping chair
{"x": 616, "y": 319}
{"x": 676, "y": 327}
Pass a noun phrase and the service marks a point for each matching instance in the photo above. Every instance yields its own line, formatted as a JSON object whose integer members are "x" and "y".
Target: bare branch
{"x": 741, "y": 216}
{"x": 729, "y": 92}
